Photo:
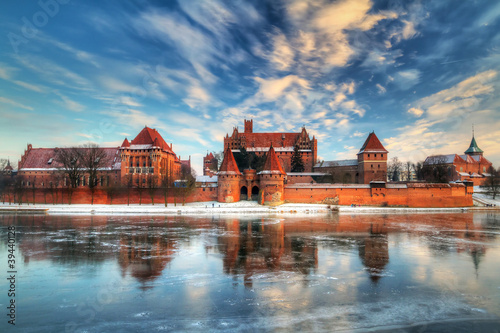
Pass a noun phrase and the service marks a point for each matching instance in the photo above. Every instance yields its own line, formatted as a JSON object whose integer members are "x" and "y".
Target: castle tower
{"x": 229, "y": 178}
{"x": 272, "y": 180}
{"x": 372, "y": 161}
{"x": 249, "y": 126}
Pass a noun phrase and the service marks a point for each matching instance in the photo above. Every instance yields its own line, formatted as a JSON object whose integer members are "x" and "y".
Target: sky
{"x": 420, "y": 74}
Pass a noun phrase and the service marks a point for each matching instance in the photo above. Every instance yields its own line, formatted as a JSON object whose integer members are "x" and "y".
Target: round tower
{"x": 272, "y": 181}
{"x": 229, "y": 178}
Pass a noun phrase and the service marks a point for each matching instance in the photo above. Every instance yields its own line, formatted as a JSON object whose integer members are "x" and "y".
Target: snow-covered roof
{"x": 206, "y": 179}
{"x": 298, "y": 174}
{"x": 440, "y": 159}
{"x": 396, "y": 186}
{"x": 463, "y": 174}
{"x": 147, "y": 146}
{"x": 330, "y": 164}
{"x": 308, "y": 185}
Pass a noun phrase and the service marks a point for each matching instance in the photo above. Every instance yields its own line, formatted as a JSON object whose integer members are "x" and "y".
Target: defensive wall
{"x": 82, "y": 195}
{"x": 381, "y": 194}
{"x": 374, "y": 194}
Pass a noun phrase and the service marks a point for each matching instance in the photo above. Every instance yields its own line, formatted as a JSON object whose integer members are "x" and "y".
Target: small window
{"x": 368, "y": 155}
{"x": 50, "y": 160}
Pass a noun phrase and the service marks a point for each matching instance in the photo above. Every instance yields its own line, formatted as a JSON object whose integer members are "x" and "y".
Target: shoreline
{"x": 216, "y": 208}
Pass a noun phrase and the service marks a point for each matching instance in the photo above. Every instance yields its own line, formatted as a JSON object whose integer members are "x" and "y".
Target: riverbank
{"x": 216, "y": 208}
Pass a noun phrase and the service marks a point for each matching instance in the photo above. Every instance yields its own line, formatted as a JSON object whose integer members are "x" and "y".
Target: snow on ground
{"x": 211, "y": 208}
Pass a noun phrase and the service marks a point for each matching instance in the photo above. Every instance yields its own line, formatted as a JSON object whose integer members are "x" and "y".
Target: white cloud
{"x": 416, "y": 112}
{"x": 30, "y": 86}
{"x": 462, "y": 98}
{"x": 69, "y": 103}
{"x": 15, "y": 104}
{"x": 381, "y": 89}
{"x": 407, "y": 78}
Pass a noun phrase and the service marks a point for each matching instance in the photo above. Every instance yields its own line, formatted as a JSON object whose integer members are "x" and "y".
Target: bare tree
{"x": 417, "y": 167}
{"x": 93, "y": 159}
{"x": 128, "y": 184}
{"x": 408, "y": 169}
{"x": 152, "y": 183}
{"x": 187, "y": 182}
{"x": 3, "y": 178}
{"x": 141, "y": 186}
{"x": 19, "y": 188}
{"x": 70, "y": 160}
{"x": 394, "y": 169}
{"x": 166, "y": 185}
{"x": 492, "y": 183}
{"x": 436, "y": 170}
{"x": 112, "y": 190}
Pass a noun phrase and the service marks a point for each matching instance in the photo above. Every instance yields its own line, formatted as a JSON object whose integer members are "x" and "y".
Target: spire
{"x": 272, "y": 164}
{"x": 8, "y": 167}
{"x": 229, "y": 166}
{"x": 473, "y": 148}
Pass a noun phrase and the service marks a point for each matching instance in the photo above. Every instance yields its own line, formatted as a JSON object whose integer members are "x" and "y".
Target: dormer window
{"x": 50, "y": 160}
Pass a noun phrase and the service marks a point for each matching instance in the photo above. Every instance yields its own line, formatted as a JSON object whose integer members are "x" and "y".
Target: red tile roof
{"x": 372, "y": 144}
{"x": 38, "y": 158}
{"x": 150, "y": 136}
{"x": 272, "y": 163}
{"x": 229, "y": 165}
{"x": 125, "y": 143}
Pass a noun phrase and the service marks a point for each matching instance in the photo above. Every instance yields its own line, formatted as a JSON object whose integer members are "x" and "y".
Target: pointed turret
{"x": 229, "y": 166}
{"x": 8, "y": 168}
{"x": 473, "y": 148}
{"x": 125, "y": 144}
{"x": 372, "y": 145}
{"x": 272, "y": 164}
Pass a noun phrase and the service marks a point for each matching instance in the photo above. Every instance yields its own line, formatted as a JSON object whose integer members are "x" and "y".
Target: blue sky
{"x": 419, "y": 73}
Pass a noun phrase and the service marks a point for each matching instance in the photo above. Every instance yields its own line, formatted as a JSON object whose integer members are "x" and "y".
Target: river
{"x": 382, "y": 272}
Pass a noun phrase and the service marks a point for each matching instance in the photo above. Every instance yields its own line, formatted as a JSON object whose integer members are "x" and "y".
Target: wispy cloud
{"x": 15, "y": 104}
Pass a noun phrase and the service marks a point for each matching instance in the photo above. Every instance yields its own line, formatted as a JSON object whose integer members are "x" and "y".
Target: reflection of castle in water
{"x": 292, "y": 246}
{"x": 145, "y": 255}
{"x": 144, "y": 247}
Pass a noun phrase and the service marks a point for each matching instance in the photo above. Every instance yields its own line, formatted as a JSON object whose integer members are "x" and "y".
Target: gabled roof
{"x": 45, "y": 158}
{"x": 444, "y": 159}
{"x": 372, "y": 145}
{"x": 210, "y": 156}
{"x": 229, "y": 166}
{"x": 469, "y": 159}
{"x": 330, "y": 164}
{"x": 473, "y": 148}
{"x": 272, "y": 164}
{"x": 150, "y": 137}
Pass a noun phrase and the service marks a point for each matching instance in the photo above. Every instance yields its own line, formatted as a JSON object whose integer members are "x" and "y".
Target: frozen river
{"x": 399, "y": 272}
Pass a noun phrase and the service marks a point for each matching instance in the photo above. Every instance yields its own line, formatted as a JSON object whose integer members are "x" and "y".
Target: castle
{"x": 149, "y": 162}
{"x": 147, "y": 157}
{"x": 471, "y": 166}
{"x": 283, "y": 143}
